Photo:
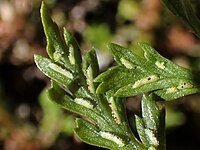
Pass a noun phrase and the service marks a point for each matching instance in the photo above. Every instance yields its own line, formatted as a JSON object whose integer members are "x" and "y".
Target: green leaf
{"x": 132, "y": 90}
{"x": 109, "y": 114}
{"x": 183, "y": 9}
{"x": 55, "y": 49}
{"x": 150, "y": 72}
{"x": 174, "y": 93}
{"x": 140, "y": 126}
{"x": 56, "y": 72}
{"x": 60, "y": 97}
{"x": 163, "y": 65}
{"x": 74, "y": 51}
{"x": 151, "y": 127}
{"x": 91, "y": 69}
{"x": 90, "y": 60}
{"x": 64, "y": 51}
{"x": 115, "y": 78}
{"x": 93, "y": 135}
{"x": 150, "y": 112}
{"x": 102, "y": 116}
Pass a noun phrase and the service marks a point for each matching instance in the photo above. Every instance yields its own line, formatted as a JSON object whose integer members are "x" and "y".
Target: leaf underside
{"x": 148, "y": 73}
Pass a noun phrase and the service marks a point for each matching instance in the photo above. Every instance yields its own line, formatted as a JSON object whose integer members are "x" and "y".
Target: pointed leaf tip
{"x": 43, "y": 11}
{"x": 36, "y": 59}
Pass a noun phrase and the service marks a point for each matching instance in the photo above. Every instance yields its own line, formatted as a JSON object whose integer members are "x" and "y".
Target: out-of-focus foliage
{"x": 25, "y": 135}
{"x": 174, "y": 118}
{"x": 128, "y": 9}
{"x": 53, "y": 122}
{"x": 97, "y": 36}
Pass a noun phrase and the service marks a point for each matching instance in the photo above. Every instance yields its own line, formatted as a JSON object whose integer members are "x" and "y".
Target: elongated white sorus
{"x": 171, "y": 90}
{"x": 184, "y": 85}
{"x": 114, "y": 110}
{"x": 152, "y": 148}
{"x": 89, "y": 80}
{"x": 57, "y": 55}
{"x": 160, "y": 65}
{"x": 127, "y": 63}
{"x": 146, "y": 80}
{"x": 71, "y": 55}
{"x": 112, "y": 137}
{"x": 83, "y": 102}
{"x": 152, "y": 137}
{"x": 60, "y": 70}
{"x": 146, "y": 55}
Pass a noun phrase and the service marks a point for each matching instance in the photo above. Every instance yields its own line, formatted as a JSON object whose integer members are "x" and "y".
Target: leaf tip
{"x": 43, "y": 9}
{"x": 141, "y": 44}
{"x": 36, "y": 57}
{"x": 111, "y": 46}
{"x": 45, "y": 17}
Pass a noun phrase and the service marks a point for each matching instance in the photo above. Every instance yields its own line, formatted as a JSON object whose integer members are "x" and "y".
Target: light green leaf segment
{"x": 150, "y": 72}
{"x": 150, "y": 126}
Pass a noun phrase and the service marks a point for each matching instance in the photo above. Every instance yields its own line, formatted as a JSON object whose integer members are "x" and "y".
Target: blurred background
{"x": 29, "y": 121}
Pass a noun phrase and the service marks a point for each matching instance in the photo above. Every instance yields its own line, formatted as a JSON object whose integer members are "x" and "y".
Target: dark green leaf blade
{"x": 56, "y": 47}
{"x": 117, "y": 77}
{"x": 152, "y": 123}
{"x": 150, "y": 112}
{"x": 125, "y": 57}
{"x": 90, "y": 60}
{"x": 74, "y": 51}
{"x": 163, "y": 65}
{"x": 55, "y": 72}
{"x": 60, "y": 97}
{"x": 183, "y": 9}
{"x": 136, "y": 74}
{"x": 91, "y": 134}
{"x": 90, "y": 69}
{"x": 173, "y": 93}
{"x": 140, "y": 126}
{"x": 166, "y": 88}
